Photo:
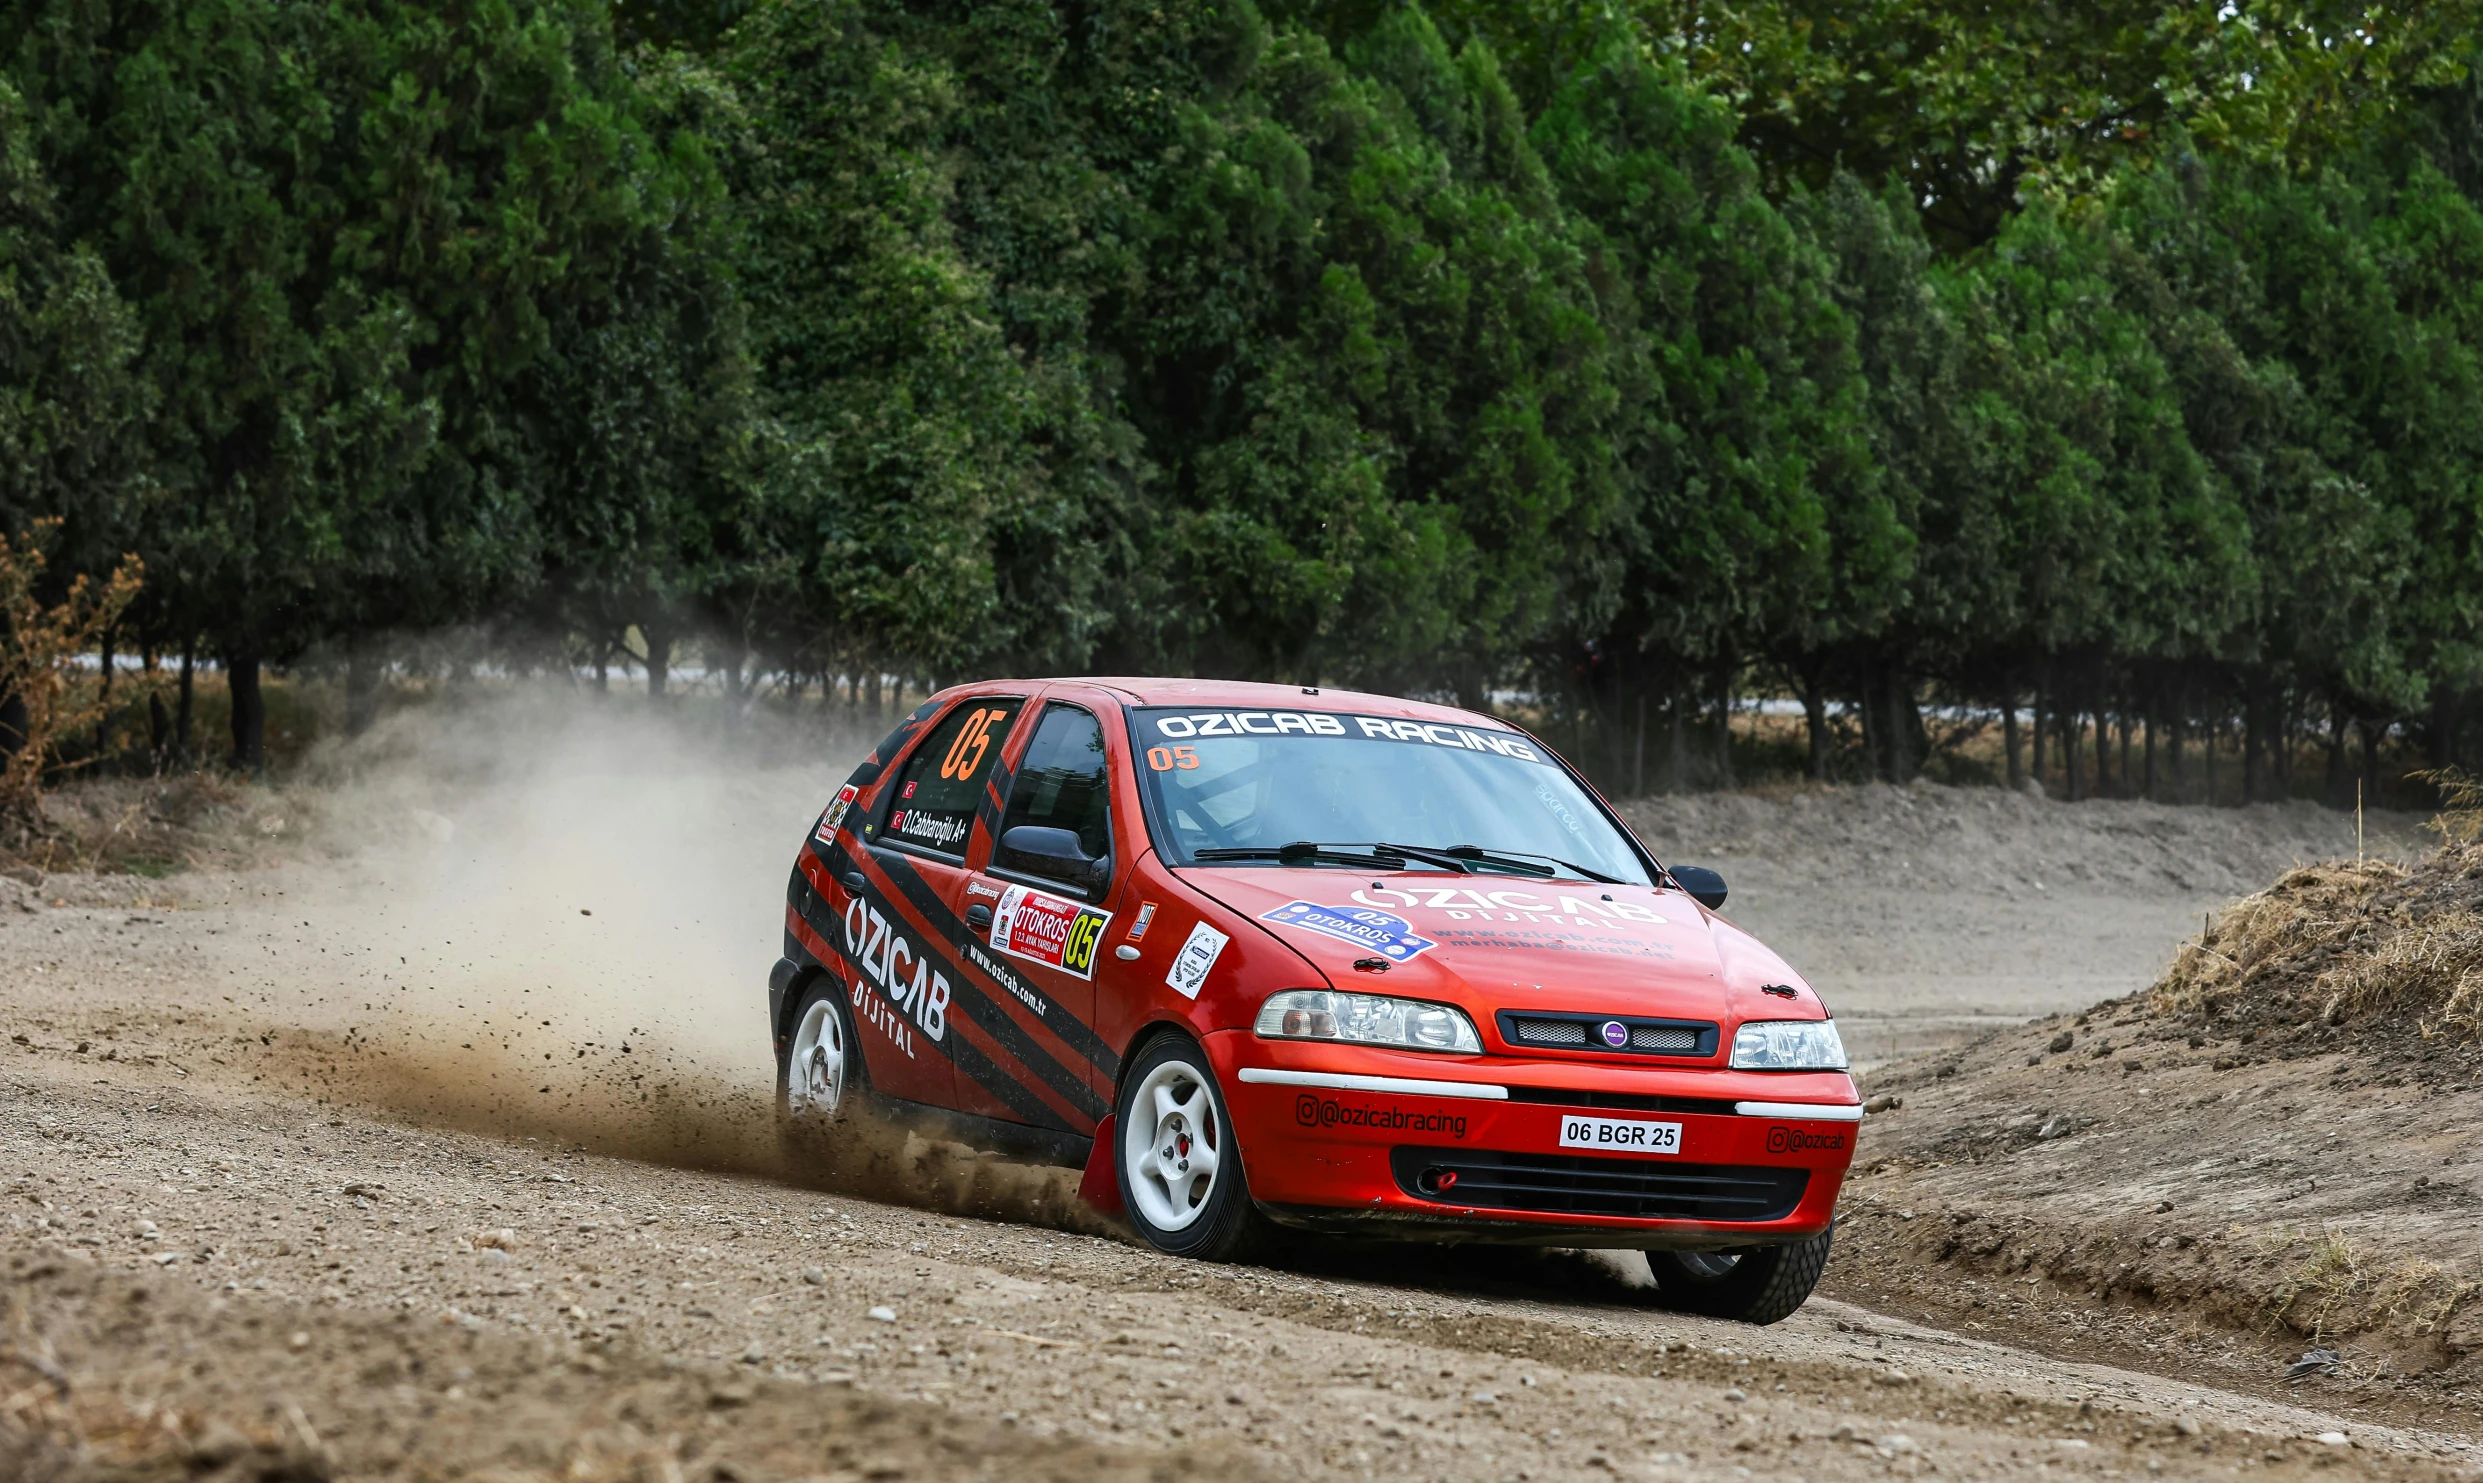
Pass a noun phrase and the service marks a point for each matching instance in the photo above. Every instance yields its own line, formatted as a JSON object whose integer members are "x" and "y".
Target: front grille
{"x": 1622, "y": 1101}
{"x": 1559, "y": 1184}
{"x": 1638, "y": 1035}
{"x": 1551, "y": 1032}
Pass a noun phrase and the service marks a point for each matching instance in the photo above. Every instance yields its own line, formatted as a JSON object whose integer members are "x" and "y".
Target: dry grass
{"x": 2436, "y": 968}
{"x": 2356, "y": 938}
{"x": 2332, "y": 1289}
{"x": 2460, "y": 820}
{"x": 159, "y": 826}
{"x": 2309, "y": 907}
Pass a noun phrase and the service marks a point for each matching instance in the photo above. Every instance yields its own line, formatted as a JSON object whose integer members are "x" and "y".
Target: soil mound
{"x": 2270, "y": 1152}
{"x": 2382, "y": 963}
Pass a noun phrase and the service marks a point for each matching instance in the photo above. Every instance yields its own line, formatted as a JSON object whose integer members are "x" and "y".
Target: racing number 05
{"x": 1077, "y": 951}
{"x": 973, "y": 739}
{"x": 1165, "y": 759}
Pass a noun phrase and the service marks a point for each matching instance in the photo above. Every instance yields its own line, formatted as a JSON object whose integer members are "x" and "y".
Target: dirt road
{"x": 448, "y": 1153}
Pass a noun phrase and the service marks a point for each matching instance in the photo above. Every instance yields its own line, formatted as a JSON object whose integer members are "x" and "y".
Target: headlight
{"x": 1366, "y": 1019}
{"x": 1788, "y": 1045}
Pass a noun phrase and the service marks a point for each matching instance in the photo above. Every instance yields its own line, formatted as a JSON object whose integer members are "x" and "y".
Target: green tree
{"x": 1758, "y": 525}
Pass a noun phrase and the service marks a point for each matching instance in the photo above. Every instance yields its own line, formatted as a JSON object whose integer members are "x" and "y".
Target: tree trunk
{"x": 361, "y": 689}
{"x": 103, "y": 699}
{"x": 2009, "y": 738}
{"x": 2177, "y": 723}
{"x": 2288, "y": 730}
{"x": 2073, "y": 753}
{"x": 2334, "y": 789}
{"x": 1677, "y": 746}
{"x": 1724, "y": 729}
{"x": 659, "y": 656}
{"x": 2372, "y": 736}
{"x": 2122, "y": 720}
{"x": 2442, "y": 742}
{"x": 241, "y": 676}
{"x": 2207, "y": 747}
{"x": 871, "y": 693}
{"x": 1910, "y": 719}
{"x": 2042, "y": 776}
{"x": 736, "y": 696}
{"x": 159, "y": 727}
{"x": 1815, "y": 720}
{"x": 1903, "y": 722}
{"x": 181, "y": 712}
{"x": 2155, "y": 704}
{"x": 2254, "y": 744}
{"x": 2103, "y": 752}
{"x": 1638, "y": 750}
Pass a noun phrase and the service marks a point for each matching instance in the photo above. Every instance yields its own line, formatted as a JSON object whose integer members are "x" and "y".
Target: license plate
{"x": 1612, "y": 1135}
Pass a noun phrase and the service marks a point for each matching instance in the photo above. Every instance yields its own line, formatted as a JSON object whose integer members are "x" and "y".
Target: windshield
{"x": 1238, "y": 787}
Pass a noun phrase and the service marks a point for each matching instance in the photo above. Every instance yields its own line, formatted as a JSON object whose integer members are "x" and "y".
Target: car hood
{"x": 1491, "y": 942}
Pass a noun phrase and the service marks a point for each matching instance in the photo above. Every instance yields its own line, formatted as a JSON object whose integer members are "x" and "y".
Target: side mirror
{"x": 1054, "y": 854}
{"x": 1703, "y": 885}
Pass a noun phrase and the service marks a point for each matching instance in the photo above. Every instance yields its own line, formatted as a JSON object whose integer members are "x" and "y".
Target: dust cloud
{"x": 550, "y": 918}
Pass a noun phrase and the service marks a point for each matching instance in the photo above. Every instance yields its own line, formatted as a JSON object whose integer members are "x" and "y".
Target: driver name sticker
{"x": 1390, "y": 936}
{"x": 1048, "y": 929}
{"x": 1195, "y": 960}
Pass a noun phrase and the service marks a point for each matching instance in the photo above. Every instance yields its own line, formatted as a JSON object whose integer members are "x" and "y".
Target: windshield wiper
{"x": 1300, "y": 852}
{"x": 1445, "y": 859}
{"x": 1502, "y": 859}
{"x": 1464, "y": 859}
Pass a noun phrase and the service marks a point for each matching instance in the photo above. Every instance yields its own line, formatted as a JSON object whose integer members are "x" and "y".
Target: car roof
{"x": 1252, "y": 695}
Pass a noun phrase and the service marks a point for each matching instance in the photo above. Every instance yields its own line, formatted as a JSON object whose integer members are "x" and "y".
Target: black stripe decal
{"x": 995, "y": 794}
{"x": 1075, "y": 1033}
{"x": 990, "y": 1077}
{"x": 988, "y": 1017}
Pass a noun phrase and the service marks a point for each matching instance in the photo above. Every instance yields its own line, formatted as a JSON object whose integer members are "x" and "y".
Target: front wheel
{"x": 1757, "y": 1284}
{"x": 1180, "y": 1172}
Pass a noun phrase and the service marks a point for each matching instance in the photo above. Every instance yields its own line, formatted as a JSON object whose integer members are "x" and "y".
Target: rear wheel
{"x": 820, "y": 1081}
{"x": 1756, "y": 1284}
{"x": 1180, "y": 1173}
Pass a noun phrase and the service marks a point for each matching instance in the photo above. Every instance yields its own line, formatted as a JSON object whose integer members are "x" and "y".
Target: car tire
{"x": 1169, "y": 1111}
{"x": 1757, "y": 1284}
{"x": 822, "y": 1086}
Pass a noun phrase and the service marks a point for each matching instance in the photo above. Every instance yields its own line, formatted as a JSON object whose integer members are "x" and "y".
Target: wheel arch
{"x": 1147, "y": 1034}
{"x": 797, "y": 988}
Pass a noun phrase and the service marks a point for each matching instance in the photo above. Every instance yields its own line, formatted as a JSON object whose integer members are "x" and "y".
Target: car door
{"x": 1035, "y": 927}
{"x": 901, "y": 927}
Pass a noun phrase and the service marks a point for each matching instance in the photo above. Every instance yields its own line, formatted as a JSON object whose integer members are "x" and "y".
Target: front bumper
{"x": 1358, "y": 1140}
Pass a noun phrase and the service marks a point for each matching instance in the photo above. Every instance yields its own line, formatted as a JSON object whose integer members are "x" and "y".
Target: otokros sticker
{"x": 1048, "y": 929}
{"x": 1390, "y": 936}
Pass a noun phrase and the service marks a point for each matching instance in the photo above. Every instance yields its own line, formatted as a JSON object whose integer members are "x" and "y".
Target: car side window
{"x": 1062, "y": 784}
{"x": 934, "y": 796}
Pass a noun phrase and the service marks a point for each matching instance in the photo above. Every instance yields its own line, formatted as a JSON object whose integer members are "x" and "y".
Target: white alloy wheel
{"x": 1172, "y": 1145}
{"x": 815, "y": 1076}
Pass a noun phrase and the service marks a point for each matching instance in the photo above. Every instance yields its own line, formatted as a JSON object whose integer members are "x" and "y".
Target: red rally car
{"x": 1262, "y": 957}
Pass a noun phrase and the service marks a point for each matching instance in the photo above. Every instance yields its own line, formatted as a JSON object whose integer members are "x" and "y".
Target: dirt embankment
{"x": 2272, "y": 1150}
